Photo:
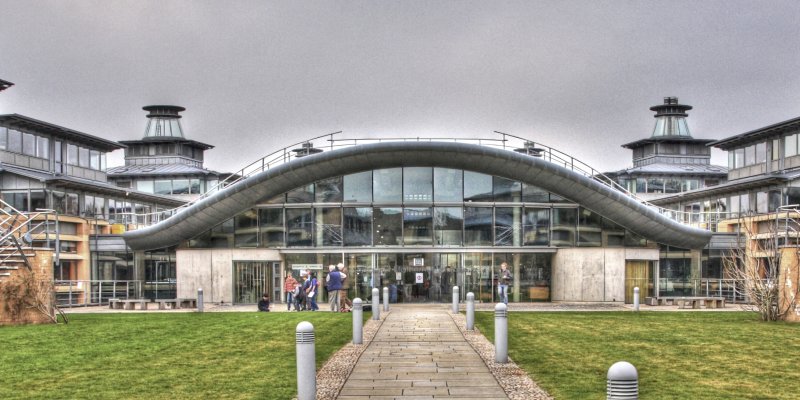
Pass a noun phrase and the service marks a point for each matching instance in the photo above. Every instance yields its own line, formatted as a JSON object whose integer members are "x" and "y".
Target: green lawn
{"x": 678, "y": 355}
{"x": 163, "y": 356}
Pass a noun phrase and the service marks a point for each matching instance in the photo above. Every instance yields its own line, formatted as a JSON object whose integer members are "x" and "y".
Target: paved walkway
{"x": 419, "y": 353}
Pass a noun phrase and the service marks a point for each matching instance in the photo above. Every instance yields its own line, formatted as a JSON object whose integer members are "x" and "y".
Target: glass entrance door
{"x": 251, "y": 280}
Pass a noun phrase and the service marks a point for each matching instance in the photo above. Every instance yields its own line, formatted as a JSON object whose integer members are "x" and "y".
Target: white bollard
{"x": 199, "y": 299}
{"x": 623, "y": 382}
{"x": 455, "y": 299}
{"x": 306, "y": 362}
{"x": 636, "y": 299}
{"x": 376, "y": 311}
{"x": 501, "y": 333}
{"x": 385, "y": 298}
{"x": 470, "y": 311}
{"x": 358, "y": 321}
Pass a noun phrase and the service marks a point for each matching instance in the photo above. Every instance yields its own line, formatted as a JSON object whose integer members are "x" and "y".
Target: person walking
{"x": 503, "y": 280}
{"x": 334, "y": 280}
{"x": 312, "y": 291}
{"x": 288, "y": 287}
{"x": 344, "y": 303}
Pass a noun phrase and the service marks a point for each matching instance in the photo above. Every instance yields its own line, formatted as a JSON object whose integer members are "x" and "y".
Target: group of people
{"x": 303, "y": 294}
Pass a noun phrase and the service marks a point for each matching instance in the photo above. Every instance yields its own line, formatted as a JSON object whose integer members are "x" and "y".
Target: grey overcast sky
{"x": 259, "y": 75}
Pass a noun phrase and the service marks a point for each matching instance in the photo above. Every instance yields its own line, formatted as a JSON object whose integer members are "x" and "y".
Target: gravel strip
{"x": 332, "y": 376}
{"x": 515, "y": 382}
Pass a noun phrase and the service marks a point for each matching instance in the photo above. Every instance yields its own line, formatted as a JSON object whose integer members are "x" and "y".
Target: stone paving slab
{"x": 419, "y": 353}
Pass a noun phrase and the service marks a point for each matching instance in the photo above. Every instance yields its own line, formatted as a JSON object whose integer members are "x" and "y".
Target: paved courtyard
{"x": 419, "y": 353}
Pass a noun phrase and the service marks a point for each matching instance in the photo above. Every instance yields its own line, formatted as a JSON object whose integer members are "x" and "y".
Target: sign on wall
{"x": 420, "y": 277}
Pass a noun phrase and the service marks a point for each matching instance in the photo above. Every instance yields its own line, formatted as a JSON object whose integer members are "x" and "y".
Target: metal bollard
{"x": 623, "y": 382}
{"x": 455, "y": 299}
{"x": 376, "y": 311}
{"x": 470, "y": 311}
{"x": 385, "y": 298}
{"x": 636, "y": 299}
{"x": 306, "y": 362}
{"x": 199, "y": 299}
{"x": 501, "y": 333}
{"x": 358, "y": 321}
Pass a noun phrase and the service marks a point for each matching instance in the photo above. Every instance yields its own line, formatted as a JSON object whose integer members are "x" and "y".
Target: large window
{"x": 563, "y": 225}
{"x": 417, "y": 185}
{"x": 534, "y": 194}
{"x": 329, "y": 190}
{"x": 478, "y": 226}
{"x": 448, "y": 223}
{"x": 358, "y": 187}
{"x": 246, "y": 233}
{"x": 507, "y": 229}
{"x": 329, "y": 226}
{"x": 506, "y": 190}
{"x": 299, "y": 227}
{"x": 303, "y": 194}
{"x": 536, "y": 226}
{"x": 417, "y": 226}
{"x": 589, "y": 228}
{"x": 388, "y": 185}
{"x": 388, "y": 226}
{"x": 272, "y": 231}
{"x": 477, "y": 187}
{"x": 448, "y": 185}
{"x": 357, "y": 226}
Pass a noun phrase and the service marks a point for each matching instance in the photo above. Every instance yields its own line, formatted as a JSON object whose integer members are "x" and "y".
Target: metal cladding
{"x": 237, "y": 198}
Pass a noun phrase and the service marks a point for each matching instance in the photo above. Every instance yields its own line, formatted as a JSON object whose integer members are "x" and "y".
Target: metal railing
{"x": 74, "y": 293}
{"x": 15, "y": 224}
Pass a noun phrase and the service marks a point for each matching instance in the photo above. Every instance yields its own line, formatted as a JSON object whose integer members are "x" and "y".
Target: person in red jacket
{"x": 288, "y": 287}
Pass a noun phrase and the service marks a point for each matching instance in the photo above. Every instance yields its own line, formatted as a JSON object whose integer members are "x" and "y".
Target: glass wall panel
{"x": 28, "y": 144}
{"x": 448, "y": 225}
{"x": 359, "y": 281}
{"x": 564, "y": 224}
{"x": 387, "y": 185}
{"x": 329, "y": 226}
{"x": 329, "y": 190}
{"x": 536, "y": 226}
{"x": 589, "y": 228}
{"x": 42, "y": 147}
{"x": 448, "y": 185}
{"x": 303, "y": 194}
{"x": 388, "y": 226}
{"x": 222, "y": 235}
{"x": 272, "y": 230}
{"x": 507, "y": 229}
{"x": 675, "y": 273}
{"x": 358, "y": 187}
{"x": 506, "y": 189}
{"x": 530, "y": 276}
{"x": 477, "y": 187}
{"x": 39, "y": 200}
{"x": 15, "y": 142}
{"x": 246, "y": 233}
{"x": 613, "y": 234}
{"x": 162, "y": 187}
{"x": 417, "y": 226}
{"x": 299, "y": 227}
{"x": 417, "y": 184}
{"x": 357, "y": 225}
{"x": 83, "y": 159}
{"x": 534, "y": 194}
{"x": 478, "y": 276}
{"x": 180, "y": 186}
{"x": 477, "y": 226}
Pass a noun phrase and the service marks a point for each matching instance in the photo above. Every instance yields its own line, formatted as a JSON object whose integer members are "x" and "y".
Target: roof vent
{"x": 306, "y": 149}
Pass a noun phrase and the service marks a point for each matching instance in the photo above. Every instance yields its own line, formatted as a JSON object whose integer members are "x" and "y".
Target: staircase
{"x": 15, "y": 250}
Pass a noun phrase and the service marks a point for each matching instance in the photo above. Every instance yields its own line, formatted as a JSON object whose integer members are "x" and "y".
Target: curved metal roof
{"x": 589, "y": 193}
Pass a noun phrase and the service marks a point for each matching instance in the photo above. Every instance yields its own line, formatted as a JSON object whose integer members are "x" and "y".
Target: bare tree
{"x": 765, "y": 263}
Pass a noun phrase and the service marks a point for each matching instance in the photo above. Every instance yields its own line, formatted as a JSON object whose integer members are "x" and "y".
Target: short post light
{"x": 358, "y": 321}
{"x": 501, "y": 333}
{"x": 470, "y": 311}
{"x": 306, "y": 362}
{"x": 636, "y": 299}
{"x": 385, "y": 299}
{"x": 199, "y": 299}
{"x": 376, "y": 311}
{"x": 623, "y": 382}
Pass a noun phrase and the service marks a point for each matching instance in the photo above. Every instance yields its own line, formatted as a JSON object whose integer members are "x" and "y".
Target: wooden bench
{"x": 128, "y": 304}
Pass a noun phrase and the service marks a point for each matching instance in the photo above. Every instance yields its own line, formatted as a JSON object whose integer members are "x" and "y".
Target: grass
{"x": 163, "y": 356}
{"x": 678, "y": 355}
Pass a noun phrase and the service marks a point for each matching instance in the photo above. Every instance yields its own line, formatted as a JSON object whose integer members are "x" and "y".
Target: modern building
{"x": 421, "y": 217}
{"x": 164, "y": 162}
{"x": 670, "y": 161}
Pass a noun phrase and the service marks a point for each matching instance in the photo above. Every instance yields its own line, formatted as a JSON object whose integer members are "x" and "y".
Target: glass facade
{"x": 419, "y": 231}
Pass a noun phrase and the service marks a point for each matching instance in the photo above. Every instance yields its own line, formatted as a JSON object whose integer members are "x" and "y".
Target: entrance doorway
{"x": 251, "y": 279}
{"x": 637, "y": 274}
